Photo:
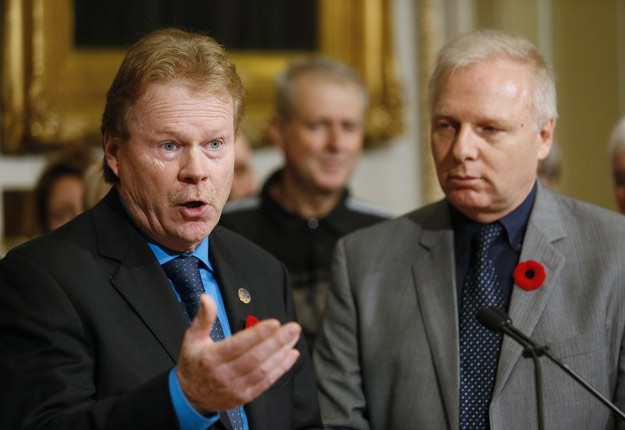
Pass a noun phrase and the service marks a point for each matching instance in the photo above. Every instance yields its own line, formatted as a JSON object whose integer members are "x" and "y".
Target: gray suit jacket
{"x": 388, "y": 356}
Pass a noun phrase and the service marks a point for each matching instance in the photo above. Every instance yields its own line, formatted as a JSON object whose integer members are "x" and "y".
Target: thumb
{"x": 205, "y": 317}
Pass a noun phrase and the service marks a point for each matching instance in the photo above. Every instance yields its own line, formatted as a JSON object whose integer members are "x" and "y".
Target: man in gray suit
{"x": 400, "y": 347}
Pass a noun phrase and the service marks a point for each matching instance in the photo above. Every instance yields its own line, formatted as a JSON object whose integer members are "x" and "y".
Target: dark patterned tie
{"x": 479, "y": 347}
{"x": 184, "y": 273}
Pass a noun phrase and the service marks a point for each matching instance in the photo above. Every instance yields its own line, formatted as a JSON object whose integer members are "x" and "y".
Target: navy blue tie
{"x": 184, "y": 273}
{"x": 479, "y": 347}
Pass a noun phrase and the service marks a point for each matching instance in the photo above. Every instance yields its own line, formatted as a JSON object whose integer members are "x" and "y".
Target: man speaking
{"x": 141, "y": 314}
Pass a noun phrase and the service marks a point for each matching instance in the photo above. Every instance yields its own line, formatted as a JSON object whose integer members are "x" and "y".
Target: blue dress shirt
{"x": 188, "y": 417}
{"x": 504, "y": 252}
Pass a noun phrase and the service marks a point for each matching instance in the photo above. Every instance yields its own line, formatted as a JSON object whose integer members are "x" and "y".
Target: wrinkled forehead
{"x": 491, "y": 79}
{"x": 192, "y": 86}
{"x": 484, "y": 64}
{"x": 159, "y": 92}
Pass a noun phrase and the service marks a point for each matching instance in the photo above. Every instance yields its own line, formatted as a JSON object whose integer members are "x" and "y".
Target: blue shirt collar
{"x": 164, "y": 254}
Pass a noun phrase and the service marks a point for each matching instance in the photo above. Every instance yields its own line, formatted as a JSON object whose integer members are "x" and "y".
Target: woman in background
{"x": 59, "y": 192}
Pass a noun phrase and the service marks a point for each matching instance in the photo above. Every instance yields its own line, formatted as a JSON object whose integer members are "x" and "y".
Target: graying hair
{"x": 331, "y": 70}
{"x": 481, "y": 45}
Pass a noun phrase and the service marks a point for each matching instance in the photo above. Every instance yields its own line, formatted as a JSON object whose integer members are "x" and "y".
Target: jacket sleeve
{"x": 336, "y": 356}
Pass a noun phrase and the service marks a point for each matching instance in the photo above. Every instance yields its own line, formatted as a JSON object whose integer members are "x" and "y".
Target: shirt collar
{"x": 164, "y": 254}
{"x": 515, "y": 222}
{"x": 290, "y": 221}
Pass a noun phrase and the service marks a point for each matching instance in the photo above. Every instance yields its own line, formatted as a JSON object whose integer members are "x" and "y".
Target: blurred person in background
{"x": 94, "y": 185}
{"x": 59, "y": 190}
{"x": 616, "y": 151}
{"x": 244, "y": 180}
{"x": 550, "y": 168}
{"x": 305, "y": 207}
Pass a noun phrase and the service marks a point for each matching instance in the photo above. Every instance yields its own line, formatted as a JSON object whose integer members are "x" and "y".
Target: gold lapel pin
{"x": 244, "y": 296}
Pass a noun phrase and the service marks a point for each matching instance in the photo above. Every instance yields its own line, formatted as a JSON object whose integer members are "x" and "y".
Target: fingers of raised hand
{"x": 259, "y": 357}
{"x": 200, "y": 329}
{"x": 236, "y": 370}
{"x": 264, "y": 358}
{"x": 253, "y": 381}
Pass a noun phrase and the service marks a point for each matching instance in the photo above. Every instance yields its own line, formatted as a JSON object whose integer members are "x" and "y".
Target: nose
{"x": 193, "y": 166}
{"x": 465, "y": 144}
{"x": 334, "y": 137}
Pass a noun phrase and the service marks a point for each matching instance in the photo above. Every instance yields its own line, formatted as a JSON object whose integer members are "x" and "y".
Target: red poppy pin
{"x": 529, "y": 275}
{"x": 251, "y": 321}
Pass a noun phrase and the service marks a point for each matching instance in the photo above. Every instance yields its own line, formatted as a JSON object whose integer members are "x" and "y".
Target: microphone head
{"x": 493, "y": 318}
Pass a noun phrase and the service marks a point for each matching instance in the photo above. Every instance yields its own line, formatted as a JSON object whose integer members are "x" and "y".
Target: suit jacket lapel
{"x": 229, "y": 285}
{"x": 434, "y": 277}
{"x": 139, "y": 277}
{"x": 544, "y": 229}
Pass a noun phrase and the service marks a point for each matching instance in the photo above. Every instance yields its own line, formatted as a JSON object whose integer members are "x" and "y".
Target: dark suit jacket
{"x": 90, "y": 327}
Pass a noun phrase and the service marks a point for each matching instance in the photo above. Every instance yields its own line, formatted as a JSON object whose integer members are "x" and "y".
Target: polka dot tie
{"x": 479, "y": 347}
{"x": 184, "y": 273}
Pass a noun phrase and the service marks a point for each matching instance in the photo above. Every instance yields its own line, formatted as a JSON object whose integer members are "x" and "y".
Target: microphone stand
{"x": 533, "y": 351}
{"x": 525, "y": 341}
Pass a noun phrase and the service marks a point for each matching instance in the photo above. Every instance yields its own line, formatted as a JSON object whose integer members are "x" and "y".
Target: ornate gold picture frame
{"x": 53, "y": 93}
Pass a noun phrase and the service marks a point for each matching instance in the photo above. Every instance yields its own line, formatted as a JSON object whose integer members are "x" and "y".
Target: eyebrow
{"x": 178, "y": 132}
{"x": 493, "y": 118}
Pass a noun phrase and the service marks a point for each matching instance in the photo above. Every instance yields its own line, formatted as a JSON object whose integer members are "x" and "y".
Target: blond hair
{"x": 163, "y": 56}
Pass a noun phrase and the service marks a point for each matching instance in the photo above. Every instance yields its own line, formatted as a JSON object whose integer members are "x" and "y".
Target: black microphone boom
{"x": 495, "y": 319}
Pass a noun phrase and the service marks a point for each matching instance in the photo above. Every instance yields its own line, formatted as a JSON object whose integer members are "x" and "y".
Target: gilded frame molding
{"x": 53, "y": 93}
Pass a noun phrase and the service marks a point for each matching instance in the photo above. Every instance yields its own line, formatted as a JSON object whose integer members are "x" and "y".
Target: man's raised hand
{"x": 216, "y": 376}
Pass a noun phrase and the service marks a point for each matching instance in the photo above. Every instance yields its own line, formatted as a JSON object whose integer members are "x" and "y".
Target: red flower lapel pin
{"x": 529, "y": 275}
{"x": 251, "y": 321}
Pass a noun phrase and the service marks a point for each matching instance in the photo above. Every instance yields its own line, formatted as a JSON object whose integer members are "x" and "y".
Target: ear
{"x": 545, "y": 139}
{"x": 111, "y": 148}
{"x": 276, "y": 131}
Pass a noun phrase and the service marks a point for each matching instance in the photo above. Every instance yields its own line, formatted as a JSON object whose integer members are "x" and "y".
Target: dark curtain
{"x": 237, "y": 24}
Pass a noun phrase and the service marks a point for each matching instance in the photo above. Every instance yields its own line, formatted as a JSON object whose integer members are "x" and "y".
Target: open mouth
{"x": 194, "y": 204}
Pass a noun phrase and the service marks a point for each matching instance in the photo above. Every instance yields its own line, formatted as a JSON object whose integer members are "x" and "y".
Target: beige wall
{"x": 586, "y": 57}
{"x": 583, "y": 39}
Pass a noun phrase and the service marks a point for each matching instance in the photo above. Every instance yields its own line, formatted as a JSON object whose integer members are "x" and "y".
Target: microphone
{"x": 497, "y": 320}
{"x": 493, "y": 318}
